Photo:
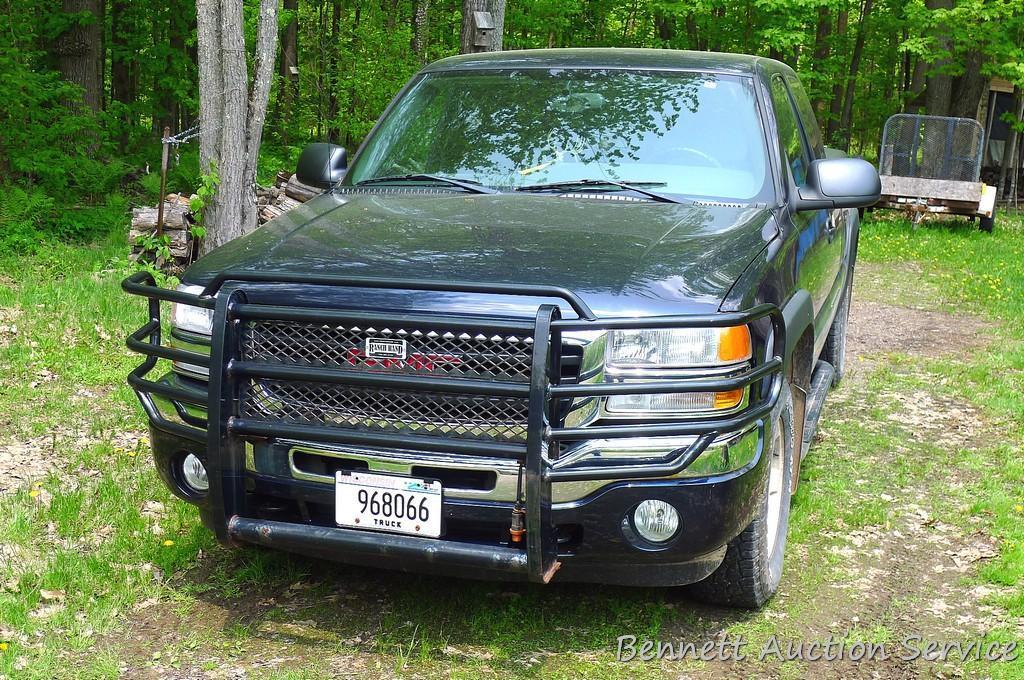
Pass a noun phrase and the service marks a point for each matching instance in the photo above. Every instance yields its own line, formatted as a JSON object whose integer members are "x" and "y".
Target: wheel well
{"x": 801, "y": 367}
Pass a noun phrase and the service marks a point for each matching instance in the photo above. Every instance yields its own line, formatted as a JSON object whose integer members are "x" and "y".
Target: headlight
{"x": 190, "y": 318}
{"x": 678, "y": 347}
{"x": 635, "y": 354}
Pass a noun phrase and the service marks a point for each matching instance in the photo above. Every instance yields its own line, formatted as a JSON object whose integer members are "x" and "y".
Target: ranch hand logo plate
{"x": 385, "y": 348}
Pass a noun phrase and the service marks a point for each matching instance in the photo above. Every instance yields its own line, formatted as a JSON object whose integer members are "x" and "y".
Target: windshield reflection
{"x": 689, "y": 133}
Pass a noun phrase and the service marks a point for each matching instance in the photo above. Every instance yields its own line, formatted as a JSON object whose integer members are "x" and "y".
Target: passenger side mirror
{"x": 839, "y": 183}
{"x": 322, "y": 165}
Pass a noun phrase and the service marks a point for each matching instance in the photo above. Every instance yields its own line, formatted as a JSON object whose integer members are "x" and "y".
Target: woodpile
{"x": 286, "y": 193}
{"x": 176, "y": 227}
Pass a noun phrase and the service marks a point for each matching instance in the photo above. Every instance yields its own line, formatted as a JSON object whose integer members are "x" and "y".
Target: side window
{"x": 807, "y": 119}
{"x": 789, "y": 130}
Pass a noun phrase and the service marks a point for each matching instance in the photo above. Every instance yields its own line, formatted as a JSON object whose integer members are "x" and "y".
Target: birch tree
{"x": 232, "y": 110}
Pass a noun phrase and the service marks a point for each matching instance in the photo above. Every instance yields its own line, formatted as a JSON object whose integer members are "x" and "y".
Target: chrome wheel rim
{"x": 776, "y": 494}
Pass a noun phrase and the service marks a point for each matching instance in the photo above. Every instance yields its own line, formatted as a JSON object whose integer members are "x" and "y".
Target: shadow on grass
{"x": 254, "y": 594}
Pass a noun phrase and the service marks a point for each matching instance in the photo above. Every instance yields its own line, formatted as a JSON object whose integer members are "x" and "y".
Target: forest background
{"x": 88, "y": 86}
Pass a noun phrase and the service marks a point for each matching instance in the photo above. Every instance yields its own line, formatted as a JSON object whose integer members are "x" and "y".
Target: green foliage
{"x": 351, "y": 66}
{"x": 208, "y": 183}
{"x": 353, "y": 57}
{"x": 45, "y": 143}
{"x": 58, "y": 174}
{"x": 29, "y": 217}
{"x": 157, "y": 248}
{"x": 22, "y": 214}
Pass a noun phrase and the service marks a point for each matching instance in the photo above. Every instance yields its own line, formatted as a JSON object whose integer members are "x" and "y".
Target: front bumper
{"x": 295, "y": 515}
{"x": 580, "y": 539}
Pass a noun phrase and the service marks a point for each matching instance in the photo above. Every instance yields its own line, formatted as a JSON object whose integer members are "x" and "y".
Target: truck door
{"x": 820, "y": 238}
{"x": 839, "y": 227}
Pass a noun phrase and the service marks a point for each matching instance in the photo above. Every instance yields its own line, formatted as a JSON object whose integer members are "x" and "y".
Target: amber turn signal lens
{"x": 734, "y": 345}
{"x": 729, "y": 399}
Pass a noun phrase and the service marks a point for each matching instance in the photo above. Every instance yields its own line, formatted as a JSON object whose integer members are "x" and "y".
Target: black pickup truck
{"x": 568, "y": 314}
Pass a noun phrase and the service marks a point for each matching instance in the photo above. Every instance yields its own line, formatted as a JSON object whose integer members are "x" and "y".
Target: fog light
{"x": 194, "y": 473}
{"x": 656, "y": 521}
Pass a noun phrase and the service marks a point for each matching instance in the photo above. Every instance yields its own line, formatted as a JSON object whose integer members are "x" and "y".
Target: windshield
{"x": 692, "y": 134}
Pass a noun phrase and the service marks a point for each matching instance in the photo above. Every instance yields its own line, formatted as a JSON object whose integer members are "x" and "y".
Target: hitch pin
{"x": 518, "y": 527}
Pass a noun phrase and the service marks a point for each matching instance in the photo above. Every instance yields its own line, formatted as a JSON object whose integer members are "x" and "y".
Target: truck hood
{"x": 621, "y": 257}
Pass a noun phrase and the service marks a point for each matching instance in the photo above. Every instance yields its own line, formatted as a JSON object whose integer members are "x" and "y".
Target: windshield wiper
{"x": 595, "y": 183}
{"x": 467, "y": 184}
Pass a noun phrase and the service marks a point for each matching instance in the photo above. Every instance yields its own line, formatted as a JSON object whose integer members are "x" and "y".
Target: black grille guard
{"x": 226, "y": 432}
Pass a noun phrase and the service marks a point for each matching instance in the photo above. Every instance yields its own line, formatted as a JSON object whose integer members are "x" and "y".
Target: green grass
{"x": 976, "y": 272}
{"x": 94, "y": 545}
{"x": 85, "y": 551}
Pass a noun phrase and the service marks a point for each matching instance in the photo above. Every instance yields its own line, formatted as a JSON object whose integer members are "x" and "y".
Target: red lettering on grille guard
{"x": 417, "y": 361}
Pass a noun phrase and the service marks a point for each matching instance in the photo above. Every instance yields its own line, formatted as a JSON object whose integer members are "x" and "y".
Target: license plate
{"x": 401, "y": 505}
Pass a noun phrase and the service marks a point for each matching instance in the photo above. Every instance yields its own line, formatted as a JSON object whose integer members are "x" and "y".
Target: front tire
{"x": 752, "y": 569}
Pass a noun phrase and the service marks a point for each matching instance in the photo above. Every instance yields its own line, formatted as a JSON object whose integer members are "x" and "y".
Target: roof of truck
{"x": 601, "y": 57}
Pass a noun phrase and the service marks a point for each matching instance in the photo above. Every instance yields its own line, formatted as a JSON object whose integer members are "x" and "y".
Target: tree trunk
{"x": 835, "y": 109}
{"x": 846, "y": 120}
{"x": 211, "y": 95}
{"x": 79, "y": 50}
{"x": 907, "y": 68}
{"x": 969, "y": 88}
{"x": 821, "y": 52}
{"x": 666, "y": 26}
{"x": 290, "y": 55}
{"x": 288, "y": 70}
{"x": 333, "y": 105}
{"x": 893, "y": 57}
{"x": 354, "y": 96}
{"x": 231, "y": 158}
{"x": 420, "y": 29}
{"x": 719, "y": 20}
{"x": 177, "y": 30}
{"x": 692, "y": 36}
{"x": 259, "y": 96}
{"x": 1010, "y": 151}
{"x": 938, "y": 94}
{"x": 467, "y": 38}
{"x": 233, "y": 111}
{"x": 123, "y": 66}
{"x": 497, "y": 8}
{"x": 188, "y": 118}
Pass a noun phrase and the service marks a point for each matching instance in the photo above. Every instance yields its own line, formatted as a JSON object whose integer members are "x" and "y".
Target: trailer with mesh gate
{"x": 932, "y": 164}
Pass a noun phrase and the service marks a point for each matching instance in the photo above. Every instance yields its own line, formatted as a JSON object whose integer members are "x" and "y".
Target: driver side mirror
{"x": 322, "y": 165}
{"x": 839, "y": 183}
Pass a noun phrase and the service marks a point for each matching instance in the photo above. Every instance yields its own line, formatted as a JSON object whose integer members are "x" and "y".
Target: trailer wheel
{"x": 987, "y": 224}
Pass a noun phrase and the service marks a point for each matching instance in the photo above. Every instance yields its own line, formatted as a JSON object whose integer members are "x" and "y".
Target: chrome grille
{"x": 451, "y": 353}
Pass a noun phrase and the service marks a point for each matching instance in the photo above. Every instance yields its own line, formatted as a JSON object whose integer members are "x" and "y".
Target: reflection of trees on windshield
{"x": 503, "y": 127}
